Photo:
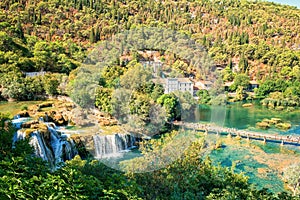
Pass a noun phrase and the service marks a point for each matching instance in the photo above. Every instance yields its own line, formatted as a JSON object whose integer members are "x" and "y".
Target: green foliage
{"x": 20, "y": 88}
{"x": 265, "y": 88}
{"x": 52, "y": 36}
{"x": 277, "y": 100}
{"x": 158, "y": 90}
{"x": 279, "y": 93}
{"x": 24, "y": 107}
{"x": 82, "y": 88}
{"x": 51, "y": 84}
{"x": 292, "y": 178}
{"x": 204, "y": 96}
{"x": 180, "y": 67}
{"x": 243, "y": 64}
{"x": 20, "y": 173}
{"x": 136, "y": 77}
{"x": 103, "y": 99}
{"x": 240, "y": 94}
{"x": 227, "y": 73}
{"x": 220, "y": 99}
{"x": 111, "y": 75}
{"x": 171, "y": 104}
{"x": 240, "y": 80}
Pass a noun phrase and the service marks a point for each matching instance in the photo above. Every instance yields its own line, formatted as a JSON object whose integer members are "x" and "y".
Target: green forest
{"x": 247, "y": 40}
{"x": 260, "y": 39}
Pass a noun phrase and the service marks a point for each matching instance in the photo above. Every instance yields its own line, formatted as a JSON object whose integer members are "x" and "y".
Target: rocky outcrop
{"x": 58, "y": 112}
{"x": 23, "y": 114}
{"x": 29, "y": 124}
{"x": 277, "y": 122}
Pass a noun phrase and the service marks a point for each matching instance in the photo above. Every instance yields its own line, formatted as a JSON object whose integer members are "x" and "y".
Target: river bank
{"x": 262, "y": 163}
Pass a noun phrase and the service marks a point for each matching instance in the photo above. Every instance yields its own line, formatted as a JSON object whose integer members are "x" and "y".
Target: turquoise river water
{"x": 263, "y": 163}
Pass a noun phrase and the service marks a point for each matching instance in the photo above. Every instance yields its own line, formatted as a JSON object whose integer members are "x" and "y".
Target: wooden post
{"x": 206, "y": 131}
{"x": 265, "y": 140}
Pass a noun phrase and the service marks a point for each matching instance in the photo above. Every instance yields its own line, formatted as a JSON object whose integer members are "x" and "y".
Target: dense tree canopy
{"x": 54, "y": 36}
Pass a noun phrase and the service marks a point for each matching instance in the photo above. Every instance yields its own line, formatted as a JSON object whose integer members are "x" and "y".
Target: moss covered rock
{"x": 263, "y": 125}
{"x": 279, "y": 108}
{"x": 23, "y": 114}
{"x": 275, "y": 120}
{"x": 283, "y": 126}
{"x": 29, "y": 124}
{"x": 247, "y": 105}
{"x": 46, "y": 105}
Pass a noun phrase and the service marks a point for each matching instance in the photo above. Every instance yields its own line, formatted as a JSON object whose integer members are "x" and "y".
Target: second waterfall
{"x": 112, "y": 145}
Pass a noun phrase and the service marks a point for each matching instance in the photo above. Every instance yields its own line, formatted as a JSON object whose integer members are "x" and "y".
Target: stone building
{"x": 176, "y": 84}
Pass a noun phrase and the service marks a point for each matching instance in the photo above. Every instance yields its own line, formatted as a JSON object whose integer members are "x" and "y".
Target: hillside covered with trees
{"x": 258, "y": 39}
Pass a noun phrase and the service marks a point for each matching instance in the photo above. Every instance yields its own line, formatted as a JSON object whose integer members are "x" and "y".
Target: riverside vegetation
{"x": 188, "y": 177}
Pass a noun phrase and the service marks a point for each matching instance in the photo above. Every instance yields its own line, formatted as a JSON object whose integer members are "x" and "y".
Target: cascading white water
{"x": 51, "y": 125}
{"x": 18, "y": 121}
{"x": 19, "y": 135}
{"x": 40, "y": 147}
{"x": 56, "y": 145}
{"x": 61, "y": 147}
{"x": 112, "y": 145}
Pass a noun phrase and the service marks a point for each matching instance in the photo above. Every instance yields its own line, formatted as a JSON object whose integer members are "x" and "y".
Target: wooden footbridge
{"x": 265, "y": 137}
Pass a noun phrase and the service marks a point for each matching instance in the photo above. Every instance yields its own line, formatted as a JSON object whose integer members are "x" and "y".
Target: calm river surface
{"x": 236, "y": 116}
{"x": 263, "y": 163}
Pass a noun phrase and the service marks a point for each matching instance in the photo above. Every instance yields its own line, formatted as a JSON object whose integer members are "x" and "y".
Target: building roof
{"x": 204, "y": 82}
{"x": 165, "y": 80}
{"x": 184, "y": 80}
{"x": 159, "y": 81}
{"x": 180, "y": 80}
{"x": 254, "y": 82}
{"x": 228, "y": 83}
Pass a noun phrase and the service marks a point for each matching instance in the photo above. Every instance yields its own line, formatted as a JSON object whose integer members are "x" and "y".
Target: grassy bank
{"x": 14, "y": 107}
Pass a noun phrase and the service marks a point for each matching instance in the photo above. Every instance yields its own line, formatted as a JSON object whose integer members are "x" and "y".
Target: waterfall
{"x": 18, "y": 121}
{"x": 37, "y": 141}
{"x": 55, "y": 151}
{"x": 56, "y": 145}
{"x": 62, "y": 148}
{"x": 51, "y": 125}
{"x": 112, "y": 145}
{"x": 19, "y": 135}
{"x": 17, "y": 117}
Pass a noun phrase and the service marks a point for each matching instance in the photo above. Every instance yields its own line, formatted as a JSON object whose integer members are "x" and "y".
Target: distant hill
{"x": 261, "y": 38}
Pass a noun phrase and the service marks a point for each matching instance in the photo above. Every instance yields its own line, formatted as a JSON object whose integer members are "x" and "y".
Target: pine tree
{"x": 79, "y": 7}
{"x": 230, "y": 64}
{"x": 19, "y": 30}
{"x": 92, "y": 36}
{"x": 204, "y": 40}
{"x": 97, "y": 34}
{"x": 243, "y": 64}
